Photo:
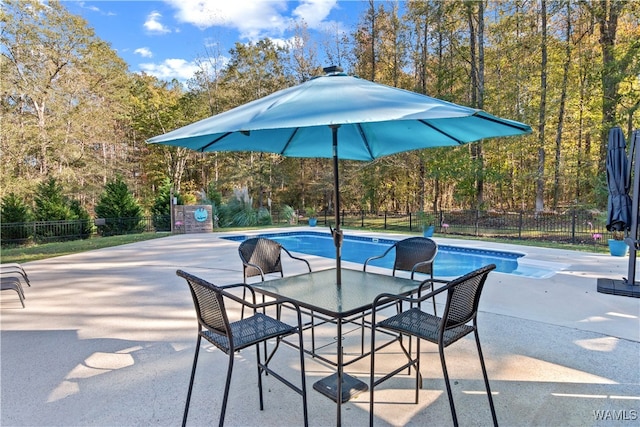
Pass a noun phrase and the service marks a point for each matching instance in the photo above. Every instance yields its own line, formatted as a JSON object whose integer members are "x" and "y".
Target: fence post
{"x": 410, "y": 222}
{"x": 573, "y": 225}
{"x": 385, "y": 220}
{"x": 477, "y": 222}
{"x": 520, "y": 224}
{"x": 362, "y": 218}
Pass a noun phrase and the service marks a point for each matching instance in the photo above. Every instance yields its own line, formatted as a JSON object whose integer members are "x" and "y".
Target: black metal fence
{"x": 17, "y": 233}
{"x": 574, "y": 227}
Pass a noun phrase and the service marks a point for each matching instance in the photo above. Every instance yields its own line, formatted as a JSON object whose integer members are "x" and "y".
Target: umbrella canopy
{"x": 372, "y": 120}
{"x": 375, "y": 120}
{"x": 618, "y": 182}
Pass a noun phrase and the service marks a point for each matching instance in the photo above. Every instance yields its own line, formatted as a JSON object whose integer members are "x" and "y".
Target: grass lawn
{"x": 35, "y": 252}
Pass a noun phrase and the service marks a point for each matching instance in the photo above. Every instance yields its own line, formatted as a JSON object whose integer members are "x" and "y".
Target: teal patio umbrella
{"x": 341, "y": 117}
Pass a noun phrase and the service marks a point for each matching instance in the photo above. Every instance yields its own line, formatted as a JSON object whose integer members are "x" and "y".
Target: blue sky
{"x": 165, "y": 38}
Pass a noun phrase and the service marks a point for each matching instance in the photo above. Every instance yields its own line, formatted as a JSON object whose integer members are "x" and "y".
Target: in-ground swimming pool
{"x": 451, "y": 261}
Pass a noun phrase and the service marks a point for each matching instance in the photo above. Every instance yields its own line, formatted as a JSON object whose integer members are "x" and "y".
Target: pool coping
{"x": 522, "y": 258}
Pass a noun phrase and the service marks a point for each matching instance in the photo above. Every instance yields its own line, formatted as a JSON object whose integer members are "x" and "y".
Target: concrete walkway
{"x": 107, "y": 339}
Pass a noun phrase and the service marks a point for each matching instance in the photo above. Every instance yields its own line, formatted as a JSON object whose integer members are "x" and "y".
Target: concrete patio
{"x": 107, "y": 339}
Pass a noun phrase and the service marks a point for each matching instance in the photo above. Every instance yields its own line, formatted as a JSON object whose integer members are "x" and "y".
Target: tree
{"x": 616, "y": 63}
{"x": 161, "y": 209}
{"x": 14, "y": 209}
{"x": 542, "y": 117}
{"x": 14, "y": 212}
{"x": 50, "y": 202}
{"x": 61, "y": 100}
{"x": 119, "y": 208}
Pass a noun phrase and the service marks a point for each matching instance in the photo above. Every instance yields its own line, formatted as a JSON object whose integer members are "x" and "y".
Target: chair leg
{"x": 227, "y": 385}
{"x": 418, "y": 374}
{"x": 372, "y": 370}
{"x": 305, "y": 411}
{"x": 258, "y": 363}
{"x": 193, "y": 374}
{"x": 486, "y": 381}
{"x": 447, "y": 384}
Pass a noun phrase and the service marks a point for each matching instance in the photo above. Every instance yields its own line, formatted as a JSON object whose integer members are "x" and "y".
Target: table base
{"x": 351, "y": 387}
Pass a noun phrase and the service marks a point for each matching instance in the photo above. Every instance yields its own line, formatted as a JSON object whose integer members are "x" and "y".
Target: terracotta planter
{"x": 618, "y": 247}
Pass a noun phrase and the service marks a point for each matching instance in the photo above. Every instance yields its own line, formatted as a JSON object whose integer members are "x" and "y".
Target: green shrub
{"x": 161, "y": 210}
{"x": 14, "y": 213}
{"x": 121, "y": 211}
{"x": 84, "y": 228}
{"x": 50, "y": 203}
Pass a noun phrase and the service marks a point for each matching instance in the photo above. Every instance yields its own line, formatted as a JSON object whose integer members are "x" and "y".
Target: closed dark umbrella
{"x": 618, "y": 182}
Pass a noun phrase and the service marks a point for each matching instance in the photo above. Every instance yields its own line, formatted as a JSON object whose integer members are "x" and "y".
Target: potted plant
{"x": 313, "y": 216}
{"x": 427, "y": 226}
{"x": 617, "y": 245}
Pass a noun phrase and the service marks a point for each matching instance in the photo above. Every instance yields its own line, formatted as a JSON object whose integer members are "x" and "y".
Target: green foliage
{"x": 120, "y": 209}
{"x": 50, "y": 203}
{"x": 161, "y": 210}
{"x": 62, "y": 97}
{"x": 288, "y": 213}
{"x": 264, "y": 217}
{"x": 239, "y": 211}
{"x": 311, "y": 212}
{"x": 14, "y": 211}
{"x": 213, "y": 195}
{"x": 84, "y": 228}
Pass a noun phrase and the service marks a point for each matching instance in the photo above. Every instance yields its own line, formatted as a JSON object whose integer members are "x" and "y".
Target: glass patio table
{"x": 319, "y": 293}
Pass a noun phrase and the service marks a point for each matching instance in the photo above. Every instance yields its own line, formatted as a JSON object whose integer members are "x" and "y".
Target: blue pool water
{"x": 451, "y": 261}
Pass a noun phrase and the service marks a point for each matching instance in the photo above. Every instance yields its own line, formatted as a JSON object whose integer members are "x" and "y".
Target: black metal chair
{"x": 14, "y": 269}
{"x": 415, "y": 254}
{"x": 214, "y": 326}
{"x": 262, "y": 256}
{"x": 12, "y": 284}
{"x": 458, "y": 319}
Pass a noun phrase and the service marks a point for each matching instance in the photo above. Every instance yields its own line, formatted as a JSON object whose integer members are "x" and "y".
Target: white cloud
{"x": 153, "y": 24}
{"x": 253, "y": 19}
{"x": 314, "y": 12}
{"x": 145, "y": 52}
{"x": 169, "y": 69}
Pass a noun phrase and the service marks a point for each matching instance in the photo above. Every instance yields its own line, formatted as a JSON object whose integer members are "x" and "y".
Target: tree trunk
{"x": 542, "y": 112}
{"x": 563, "y": 100}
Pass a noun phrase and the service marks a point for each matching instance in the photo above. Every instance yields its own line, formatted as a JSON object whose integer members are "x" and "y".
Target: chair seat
{"x": 249, "y": 331}
{"x": 423, "y": 325}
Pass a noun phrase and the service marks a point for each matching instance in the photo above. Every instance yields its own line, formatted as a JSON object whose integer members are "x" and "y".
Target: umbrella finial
{"x": 333, "y": 69}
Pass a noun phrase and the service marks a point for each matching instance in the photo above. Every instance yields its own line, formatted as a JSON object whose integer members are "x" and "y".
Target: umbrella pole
{"x": 337, "y": 233}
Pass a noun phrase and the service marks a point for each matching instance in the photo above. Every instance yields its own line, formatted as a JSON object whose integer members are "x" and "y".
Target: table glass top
{"x": 318, "y": 290}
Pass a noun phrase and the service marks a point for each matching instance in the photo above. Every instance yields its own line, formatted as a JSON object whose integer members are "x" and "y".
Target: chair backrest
{"x": 262, "y": 252}
{"x": 413, "y": 250}
{"x": 209, "y": 304}
{"x": 463, "y": 297}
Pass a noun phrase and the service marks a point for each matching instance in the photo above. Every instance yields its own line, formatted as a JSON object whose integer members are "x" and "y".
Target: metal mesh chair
{"x": 415, "y": 254}
{"x": 12, "y": 283}
{"x": 458, "y": 320}
{"x": 230, "y": 337}
{"x": 262, "y": 256}
{"x": 14, "y": 269}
